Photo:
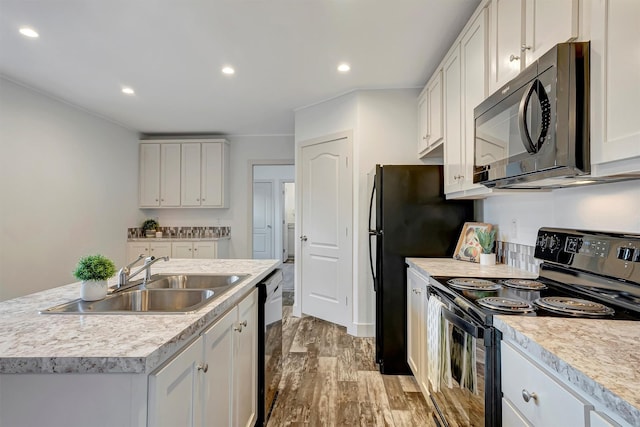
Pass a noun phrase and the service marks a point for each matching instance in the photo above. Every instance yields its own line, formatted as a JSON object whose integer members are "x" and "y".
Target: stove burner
{"x": 473, "y": 284}
{"x": 574, "y": 306}
{"x": 529, "y": 285}
{"x": 509, "y": 305}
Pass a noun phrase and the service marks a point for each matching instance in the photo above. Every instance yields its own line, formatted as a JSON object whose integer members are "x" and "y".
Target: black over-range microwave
{"x": 534, "y": 131}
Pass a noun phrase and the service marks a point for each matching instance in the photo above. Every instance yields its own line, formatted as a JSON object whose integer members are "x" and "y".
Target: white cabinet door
{"x": 170, "y": 174}
{"x": 190, "y": 175}
{"x": 174, "y": 390}
{"x": 213, "y": 175}
{"x": 219, "y": 356}
{"x": 246, "y": 362}
{"x": 548, "y": 22}
{"x": 473, "y": 54}
{"x": 204, "y": 250}
{"x": 506, "y": 40}
{"x": 435, "y": 109}
{"x": 182, "y": 250}
{"x": 453, "y": 122}
{"x": 599, "y": 419}
{"x": 423, "y": 122}
{"x": 416, "y": 332}
{"x": 511, "y": 417}
{"x": 135, "y": 249}
{"x": 149, "y": 175}
{"x": 159, "y": 249}
{"x": 615, "y": 87}
{"x": 222, "y": 249}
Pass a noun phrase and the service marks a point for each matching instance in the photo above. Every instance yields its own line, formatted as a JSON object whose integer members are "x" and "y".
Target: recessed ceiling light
{"x": 228, "y": 70}
{"x": 344, "y": 67}
{"x": 29, "y": 32}
{"x": 128, "y": 90}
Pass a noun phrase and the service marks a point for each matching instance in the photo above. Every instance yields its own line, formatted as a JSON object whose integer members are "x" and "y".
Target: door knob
{"x": 303, "y": 238}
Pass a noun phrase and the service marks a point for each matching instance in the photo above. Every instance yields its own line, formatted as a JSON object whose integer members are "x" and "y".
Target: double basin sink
{"x": 162, "y": 294}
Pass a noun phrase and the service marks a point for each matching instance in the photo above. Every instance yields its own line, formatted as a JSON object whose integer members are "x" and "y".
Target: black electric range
{"x": 584, "y": 274}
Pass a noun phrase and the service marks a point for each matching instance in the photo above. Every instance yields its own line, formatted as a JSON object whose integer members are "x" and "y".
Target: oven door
{"x": 464, "y": 388}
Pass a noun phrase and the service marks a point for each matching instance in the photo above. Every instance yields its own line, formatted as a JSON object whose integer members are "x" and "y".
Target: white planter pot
{"x": 93, "y": 290}
{"x": 487, "y": 259}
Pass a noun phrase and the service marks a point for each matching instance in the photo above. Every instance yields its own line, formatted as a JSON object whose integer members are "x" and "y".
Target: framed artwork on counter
{"x": 468, "y": 247}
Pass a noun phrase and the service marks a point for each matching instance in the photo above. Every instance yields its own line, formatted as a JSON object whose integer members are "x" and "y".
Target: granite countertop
{"x": 126, "y": 343}
{"x": 599, "y": 357}
{"x": 455, "y": 268}
{"x": 177, "y": 239}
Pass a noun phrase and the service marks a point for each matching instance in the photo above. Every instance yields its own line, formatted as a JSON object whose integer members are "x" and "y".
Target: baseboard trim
{"x": 362, "y": 330}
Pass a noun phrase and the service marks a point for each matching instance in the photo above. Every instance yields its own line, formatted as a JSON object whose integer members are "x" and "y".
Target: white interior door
{"x": 263, "y": 220}
{"x": 326, "y": 265}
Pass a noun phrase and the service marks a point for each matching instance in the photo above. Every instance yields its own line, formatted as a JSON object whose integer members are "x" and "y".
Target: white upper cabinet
{"x": 149, "y": 177}
{"x": 523, "y": 30}
{"x": 473, "y": 55}
{"x": 430, "y": 115}
{"x": 548, "y": 22}
{"x": 453, "y": 151}
{"x": 615, "y": 87}
{"x": 184, "y": 173}
{"x": 214, "y": 175}
{"x": 506, "y": 41}
{"x": 190, "y": 178}
{"x": 170, "y": 175}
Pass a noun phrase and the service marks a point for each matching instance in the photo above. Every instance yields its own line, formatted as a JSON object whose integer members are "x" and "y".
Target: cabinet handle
{"x": 526, "y": 396}
{"x": 156, "y": 200}
{"x": 241, "y": 325}
{"x": 514, "y": 58}
{"x": 204, "y": 368}
{"x": 524, "y": 47}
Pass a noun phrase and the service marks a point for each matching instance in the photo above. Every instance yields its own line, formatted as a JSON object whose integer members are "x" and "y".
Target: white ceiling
{"x": 285, "y": 53}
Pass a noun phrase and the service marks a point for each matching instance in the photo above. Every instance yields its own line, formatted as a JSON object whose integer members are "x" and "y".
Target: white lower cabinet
{"x": 156, "y": 249}
{"x": 200, "y": 250}
{"x": 535, "y": 396}
{"x": 214, "y": 380}
{"x": 417, "y": 327}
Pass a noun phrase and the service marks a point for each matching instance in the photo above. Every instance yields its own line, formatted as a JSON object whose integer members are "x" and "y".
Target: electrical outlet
{"x": 514, "y": 228}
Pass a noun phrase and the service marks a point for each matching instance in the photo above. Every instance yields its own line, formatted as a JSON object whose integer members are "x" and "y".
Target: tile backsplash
{"x": 517, "y": 255}
{"x": 183, "y": 232}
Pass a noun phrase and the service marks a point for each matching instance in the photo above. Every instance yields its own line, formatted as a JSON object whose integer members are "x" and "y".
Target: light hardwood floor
{"x": 330, "y": 379}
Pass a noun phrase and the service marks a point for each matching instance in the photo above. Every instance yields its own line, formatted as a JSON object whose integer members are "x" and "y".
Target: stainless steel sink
{"x": 149, "y": 301}
{"x": 219, "y": 282}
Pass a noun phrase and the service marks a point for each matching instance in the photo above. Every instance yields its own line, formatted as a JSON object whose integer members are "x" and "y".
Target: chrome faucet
{"x": 148, "y": 262}
{"x": 123, "y": 274}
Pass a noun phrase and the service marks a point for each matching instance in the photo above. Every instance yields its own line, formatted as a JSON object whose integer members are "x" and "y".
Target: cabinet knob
{"x": 204, "y": 368}
{"x": 238, "y": 328}
{"x": 424, "y": 138}
{"x": 303, "y": 238}
{"x": 156, "y": 200}
{"x": 162, "y": 200}
{"x": 189, "y": 249}
{"x": 197, "y": 200}
{"x": 203, "y": 199}
{"x": 514, "y": 58}
{"x": 195, "y": 249}
{"x": 244, "y": 323}
{"x": 524, "y": 47}
{"x": 526, "y": 396}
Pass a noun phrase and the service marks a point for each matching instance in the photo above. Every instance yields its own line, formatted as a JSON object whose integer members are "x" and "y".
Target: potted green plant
{"x": 93, "y": 271}
{"x": 150, "y": 226}
{"x": 487, "y": 240}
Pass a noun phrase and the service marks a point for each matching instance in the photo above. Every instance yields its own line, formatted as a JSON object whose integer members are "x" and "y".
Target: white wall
{"x": 604, "y": 207}
{"x": 244, "y": 150}
{"x": 278, "y": 174}
{"x": 68, "y": 188}
{"x": 384, "y": 125}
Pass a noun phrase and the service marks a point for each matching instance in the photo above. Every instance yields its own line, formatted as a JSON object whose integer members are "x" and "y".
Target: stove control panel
{"x": 611, "y": 254}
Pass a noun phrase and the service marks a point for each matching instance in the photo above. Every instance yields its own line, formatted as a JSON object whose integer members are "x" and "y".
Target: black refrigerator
{"x": 412, "y": 219}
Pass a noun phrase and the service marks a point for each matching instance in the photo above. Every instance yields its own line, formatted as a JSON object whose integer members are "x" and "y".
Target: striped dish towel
{"x": 434, "y": 341}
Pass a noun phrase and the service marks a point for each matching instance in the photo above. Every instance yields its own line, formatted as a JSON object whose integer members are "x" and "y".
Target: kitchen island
{"x": 42, "y": 355}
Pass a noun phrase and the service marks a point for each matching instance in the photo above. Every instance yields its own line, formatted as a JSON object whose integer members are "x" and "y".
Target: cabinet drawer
{"x": 511, "y": 417}
{"x": 554, "y": 404}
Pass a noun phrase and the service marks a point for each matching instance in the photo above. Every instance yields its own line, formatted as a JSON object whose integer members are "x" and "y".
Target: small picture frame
{"x": 468, "y": 248}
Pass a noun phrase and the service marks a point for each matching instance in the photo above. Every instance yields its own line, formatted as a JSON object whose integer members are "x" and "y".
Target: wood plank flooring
{"x": 330, "y": 379}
